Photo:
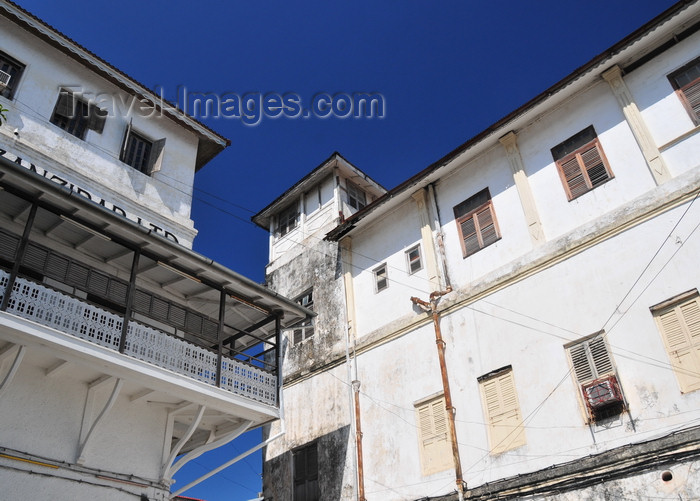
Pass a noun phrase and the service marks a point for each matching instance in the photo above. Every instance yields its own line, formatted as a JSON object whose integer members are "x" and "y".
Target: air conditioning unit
{"x": 4, "y": 79}
{"x": 602, "y": 393}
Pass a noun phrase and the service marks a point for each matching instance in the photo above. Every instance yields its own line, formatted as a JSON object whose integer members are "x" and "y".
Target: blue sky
{"x": 447, "y": 70}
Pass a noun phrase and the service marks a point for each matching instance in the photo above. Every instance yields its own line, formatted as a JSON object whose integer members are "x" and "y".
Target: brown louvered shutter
{"x": 471, "y": 239}
{"x": 487, "y": 226}
{"x": 574, "y": 177}
{"x": 692, "y": 94}
{"x": 593, "y": 164}
{"x": 680, "y": 327}
{"x": 502, "y": 411}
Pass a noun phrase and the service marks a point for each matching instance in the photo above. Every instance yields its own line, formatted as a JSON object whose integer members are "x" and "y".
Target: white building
{"x": 559, "y": 251}
{"x": 120, "y": 348}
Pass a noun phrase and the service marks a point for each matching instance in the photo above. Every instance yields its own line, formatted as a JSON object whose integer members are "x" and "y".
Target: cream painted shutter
{"x": 680, "y": 327}
{"x": 436, "y": 452}
{"x": 502, "y": 413}
{"x": 591, "y": 360}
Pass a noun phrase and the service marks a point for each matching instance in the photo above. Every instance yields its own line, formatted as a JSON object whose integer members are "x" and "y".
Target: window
{"x": 305, "y": 466}
{"x": 502, "y": 411}
{"x": 594, "y": 372}
{"x": 305, "y": 328}
{"x": 356, "y": 197}
{"x": 142, "y": 154}
{"x": 678, "y": 320}
{"x": 414, "y": 260}
{"x": 476, "y": 222}
{"x": 433, "y": 439}
{"x": 581, "y": 163}
{"x": 75, "y": 116}
{"x": 13, "y": 68}
{"x": 381, "y": 279}
{"x": 287, "y": 220}
{"x": 686, "y": 81}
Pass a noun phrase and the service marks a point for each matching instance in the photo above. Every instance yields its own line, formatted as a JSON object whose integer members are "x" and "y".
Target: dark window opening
{"x": 14, "y": 69}
{"x": 75, "y": 116}
{"x": 287, "y": 220}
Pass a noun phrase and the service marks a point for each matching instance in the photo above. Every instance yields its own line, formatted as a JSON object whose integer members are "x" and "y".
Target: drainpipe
{"x": 432, "y": 308}
{"x": 358, "y": 439}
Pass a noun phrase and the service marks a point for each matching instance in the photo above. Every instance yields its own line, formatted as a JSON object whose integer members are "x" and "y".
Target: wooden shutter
{"x": 590, "y": 360}
{"x": 8, "y": 245}
{"x": 487, "y": 226}
{"x": 581, "y": 163}
{"x": 125, "y": 140}
{"x": 155, "y": 159}
{"x": 65, "y": 105}
{"x": 680, "y": 328}
{"x": 502, "y": 412}
{"x": 593, "y": 164}
{"x": 692, "y": 94}
{"x": 96, "y": 118}
{"x": 306, "y": 474}
{"x": 435, "y": 448}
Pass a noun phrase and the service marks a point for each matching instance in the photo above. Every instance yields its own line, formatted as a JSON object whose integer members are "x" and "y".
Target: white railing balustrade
{"x": 71, "y": 315}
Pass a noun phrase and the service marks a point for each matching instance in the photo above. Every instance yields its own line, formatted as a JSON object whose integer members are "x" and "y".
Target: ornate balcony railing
{"x": 73, "y": 316}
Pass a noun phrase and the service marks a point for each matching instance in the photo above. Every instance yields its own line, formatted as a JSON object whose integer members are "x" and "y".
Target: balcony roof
{"x": 196, "y": 272}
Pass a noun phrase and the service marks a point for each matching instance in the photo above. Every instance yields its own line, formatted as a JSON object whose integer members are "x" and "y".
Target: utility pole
{"x": 431, "y": 307}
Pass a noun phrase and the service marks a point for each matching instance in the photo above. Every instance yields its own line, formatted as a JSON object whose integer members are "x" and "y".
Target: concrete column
{"x": 426, "y": 230}
{"x": 639, "y": 128}
{"x": 527, "y": 200}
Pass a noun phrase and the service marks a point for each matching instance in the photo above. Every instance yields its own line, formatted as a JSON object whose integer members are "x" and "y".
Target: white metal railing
{"x": 91, "y": 323}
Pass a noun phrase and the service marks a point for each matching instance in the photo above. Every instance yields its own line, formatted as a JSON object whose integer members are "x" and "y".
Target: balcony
{"x": 73, "y": 266}
{"x": 60, "y": 311}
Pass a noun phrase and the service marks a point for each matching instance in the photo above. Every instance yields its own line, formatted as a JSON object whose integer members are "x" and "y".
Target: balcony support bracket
{"x": 86, "y": 435}
{"x": 183, "y": 440}
{"x": 195, "y": 453}
{"x": 13, "y": 368}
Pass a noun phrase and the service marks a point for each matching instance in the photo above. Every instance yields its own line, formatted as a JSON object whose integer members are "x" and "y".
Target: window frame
{"x": 150, "y": 162}
{"x": 434, "y": 433}
{"x": 410, "y": 262}
{"x": 305, "y": 328}
{"x": 307, "y": 480}
{"x": 503, "y": 382}
{"x": 8, "y": 62}
{"x": 681, "y": 89}
{"x": 687, "y": 377}
{"x": 83, "y": 116}
{"x": 599, "y": 367}
{"x": 381, "y": 273}
{"x": 291, "y": 210}
{"x": 474, "y": 214}
{"x": 560, "y": 160}
{"x": 354, "y": 193}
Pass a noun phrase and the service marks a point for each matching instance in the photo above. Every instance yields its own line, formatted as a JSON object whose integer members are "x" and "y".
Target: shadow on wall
{"x": 314, "y": 469}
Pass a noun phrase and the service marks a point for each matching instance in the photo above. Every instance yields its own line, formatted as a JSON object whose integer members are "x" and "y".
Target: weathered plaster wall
{"x": 318, "y": 267}
{"x": 333, "y": 467}
{"x": 163, "y": 199}
{"x": 128, "y": 440}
